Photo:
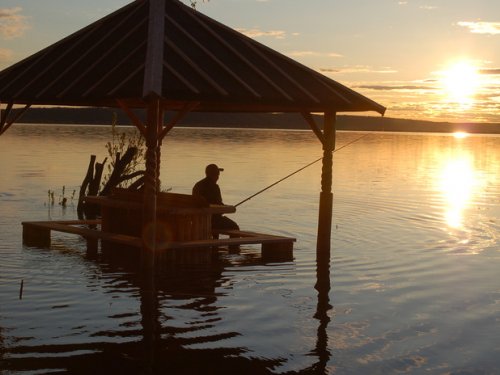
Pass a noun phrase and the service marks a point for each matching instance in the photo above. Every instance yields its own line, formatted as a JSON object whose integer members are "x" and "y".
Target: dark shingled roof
{"x": 166, "y": 49}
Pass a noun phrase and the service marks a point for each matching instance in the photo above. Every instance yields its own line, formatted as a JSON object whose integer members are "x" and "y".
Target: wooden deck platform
{"x": 38, "y": 233}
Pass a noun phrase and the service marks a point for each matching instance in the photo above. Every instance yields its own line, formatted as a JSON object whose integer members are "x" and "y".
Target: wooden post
{"x": 150, "y": 187}
{"x": 92, "y": 246}
{"x": 159, "y": 123}
{"x": 152, "y": 88}
{"x": 35, "y": 235}
{"x": 326, "y": 195}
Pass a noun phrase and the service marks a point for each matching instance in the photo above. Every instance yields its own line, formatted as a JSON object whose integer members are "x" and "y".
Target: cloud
{"x": 402, "y": 2}
{"x": 5, "y": 55}
{"x": 329, "y": 70}
{"x": 358, "y": 69}
{"x": 12, "y": 23}
{"x": 391, "y": 88}
{"x": 312, "y": 53}
{"x": 490, "y": 71}
{"x": 303, "y": 53}
{"x": 428, "y": 7}
{"x": 256, "y": 33}
{"x": 480, "y": 27}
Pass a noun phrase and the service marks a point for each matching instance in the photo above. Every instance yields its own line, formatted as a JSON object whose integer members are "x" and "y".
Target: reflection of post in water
{"x": 1, "y": 345}
{"x": 323, "y": 306}
{"x": 149, "y": 319}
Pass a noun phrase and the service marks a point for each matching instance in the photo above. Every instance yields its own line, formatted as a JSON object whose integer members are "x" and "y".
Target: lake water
{"x": 414, "y": 273}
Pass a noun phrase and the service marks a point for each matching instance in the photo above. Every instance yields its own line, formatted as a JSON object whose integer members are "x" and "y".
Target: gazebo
{"x": 161, "y": 55}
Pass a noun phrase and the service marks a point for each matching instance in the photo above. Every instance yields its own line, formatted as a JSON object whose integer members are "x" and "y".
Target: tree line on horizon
{"x": 105, "y": 116}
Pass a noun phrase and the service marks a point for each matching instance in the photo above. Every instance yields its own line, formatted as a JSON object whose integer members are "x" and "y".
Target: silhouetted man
{"x": 208, "y": 189}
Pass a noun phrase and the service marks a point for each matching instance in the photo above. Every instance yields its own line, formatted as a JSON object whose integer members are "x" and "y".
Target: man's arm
{"x": 217, "y": 195}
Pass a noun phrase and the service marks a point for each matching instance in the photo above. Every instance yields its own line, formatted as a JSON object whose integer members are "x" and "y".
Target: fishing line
{"x": 298, "y": 170}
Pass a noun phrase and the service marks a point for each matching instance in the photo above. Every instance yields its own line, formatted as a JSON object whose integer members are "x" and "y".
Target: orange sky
{"x": 432, "y": 60}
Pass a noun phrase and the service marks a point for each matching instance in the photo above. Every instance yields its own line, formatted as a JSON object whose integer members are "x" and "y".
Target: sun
{"x": 460, "y": 82}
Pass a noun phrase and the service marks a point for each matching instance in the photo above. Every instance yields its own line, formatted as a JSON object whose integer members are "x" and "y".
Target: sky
{"x": 433, "y": 60}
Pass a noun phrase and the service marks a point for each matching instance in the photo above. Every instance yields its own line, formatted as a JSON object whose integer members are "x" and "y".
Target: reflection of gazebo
{"x": 161, "y": 55}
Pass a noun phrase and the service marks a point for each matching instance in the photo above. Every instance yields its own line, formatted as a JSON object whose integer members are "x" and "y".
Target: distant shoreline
{"x": 100, "y": 116}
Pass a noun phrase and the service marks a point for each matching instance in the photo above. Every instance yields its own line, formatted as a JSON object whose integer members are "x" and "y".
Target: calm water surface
{"x": 415, "y": 286}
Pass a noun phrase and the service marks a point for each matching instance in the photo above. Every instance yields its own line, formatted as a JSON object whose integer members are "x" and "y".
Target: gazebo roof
{"x": 165, "y": 49}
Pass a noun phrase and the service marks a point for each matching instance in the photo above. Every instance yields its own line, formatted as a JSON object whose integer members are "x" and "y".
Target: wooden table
{"x": 174, "y": 223}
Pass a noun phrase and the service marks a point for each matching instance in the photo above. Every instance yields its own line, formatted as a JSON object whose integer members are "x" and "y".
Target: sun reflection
{"x": 458, "y": 181}
{"x": 460, "y": 135}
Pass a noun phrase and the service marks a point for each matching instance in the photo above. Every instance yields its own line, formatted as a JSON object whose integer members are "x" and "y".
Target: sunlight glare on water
{"x": 458, "y": 182}
{"x": 402, "y": 296}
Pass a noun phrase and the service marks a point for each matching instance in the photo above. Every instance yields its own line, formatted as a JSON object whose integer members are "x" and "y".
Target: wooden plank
{"x": 180, "y": 77}
{"x": 83, "y": 53}
{"x": 241, "y": 233}
{"x": 228, "y": 70}
{"x": 127, "y": 204}
{"x": 240, "y": 237}
{"x": 115, "y": 203}
{"x": 72, "y": 222}
{"x": 229, "y": 241}
{"x": 242, "y": 57}
{"x": 282, "y": 71}
{"x": 197, "y": 68}
{"x": 86, "y": 232}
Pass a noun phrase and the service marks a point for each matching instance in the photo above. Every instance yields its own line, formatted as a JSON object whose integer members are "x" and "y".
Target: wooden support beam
{"x": 178, "y": 116}
{"x": 5, "y": 123}
{"x": 5, "y": 114}
{"x": 312, "y": 124}
{"x": 132, "y": 116}
{"x": 153, "y": 69}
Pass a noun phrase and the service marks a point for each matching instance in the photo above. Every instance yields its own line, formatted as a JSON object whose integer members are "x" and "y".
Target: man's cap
{"x": 212, "y": 168}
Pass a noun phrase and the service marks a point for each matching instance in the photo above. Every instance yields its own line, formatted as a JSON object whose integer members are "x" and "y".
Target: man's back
{"x": 209, "y": 190}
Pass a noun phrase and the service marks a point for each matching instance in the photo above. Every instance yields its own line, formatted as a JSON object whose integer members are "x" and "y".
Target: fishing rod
{"x": 298, "y": 170}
